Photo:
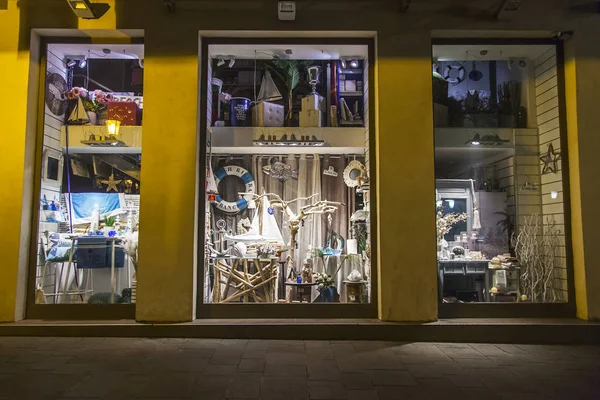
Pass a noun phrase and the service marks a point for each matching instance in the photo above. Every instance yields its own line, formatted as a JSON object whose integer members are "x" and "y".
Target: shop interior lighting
{"x": 554, "y": 195}
{"x": 220, "y": 62}
{"x": 88, "y": 10}
{"x": 475, "y": 141}
{"x": 112, "y": 128}
{"x": 71, "y": 63}
{"x": 343, "y": 62}
{"x": 231, "y": 61}
{"x": 83, "y": 62}
{"x": 354, "y": 63}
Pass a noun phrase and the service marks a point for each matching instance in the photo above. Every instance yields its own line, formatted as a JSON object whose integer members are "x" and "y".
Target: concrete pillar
{"x": 582, "y": 92}
{"x": 405, "y": 178}
{"x": 18, "y": 113}
{"x": 167, "y": 245}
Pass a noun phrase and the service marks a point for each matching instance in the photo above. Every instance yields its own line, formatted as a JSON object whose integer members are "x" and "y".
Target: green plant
{"x": 509, "y": 98}
{"x": 110, "y": 221}
{"x": 288, "y": 72}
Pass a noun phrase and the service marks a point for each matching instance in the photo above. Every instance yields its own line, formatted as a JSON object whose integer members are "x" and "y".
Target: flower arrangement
{"x": 94, "y": 101}
{"x": 444, "y": 223}
{"x": 324, "y": 281}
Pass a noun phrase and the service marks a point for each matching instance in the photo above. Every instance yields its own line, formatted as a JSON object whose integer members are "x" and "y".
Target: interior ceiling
{"x": 299, "y": 52}
{"x": 495, "y": 52}
{"x": 117, "y": 51}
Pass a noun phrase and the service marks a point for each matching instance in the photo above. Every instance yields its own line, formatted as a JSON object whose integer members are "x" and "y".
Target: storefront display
{"x": 89, "y": 199}
{"x": 498, "y": 223}
{"x": 278, "y": 216}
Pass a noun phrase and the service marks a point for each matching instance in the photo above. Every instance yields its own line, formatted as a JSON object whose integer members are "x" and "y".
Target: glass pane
{"x": 500, "y": 215}
{"x": 287, "y": 215}
{"x": 89, "y": 197}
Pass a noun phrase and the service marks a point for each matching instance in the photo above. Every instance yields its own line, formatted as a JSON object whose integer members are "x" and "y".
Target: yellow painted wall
{"x": 16, "y": 148}
{"x": 404, "y": 140}
{"x": 166, "y": 273}
{"x": 405, "y": 178}
{"x": 582, "y": 86}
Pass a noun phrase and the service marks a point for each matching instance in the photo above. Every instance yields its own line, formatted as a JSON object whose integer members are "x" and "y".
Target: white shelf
{"x": 131, "y": 136}
{"x": 241, "y": 140}
{"x": 342, "y": 94}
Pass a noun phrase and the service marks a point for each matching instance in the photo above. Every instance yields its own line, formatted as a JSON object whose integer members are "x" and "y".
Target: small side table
{"x": 356, "y": 292}
{"x": 301, "y": 292}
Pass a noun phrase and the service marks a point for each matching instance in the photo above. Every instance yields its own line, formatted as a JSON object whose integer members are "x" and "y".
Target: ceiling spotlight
{"x": 83, "y": 62}
{"x": 86, "y": 10}
{"x": 220, "y": 62}
{"x": 71, "y": 63}
{"x": 354, "y": 63}
{"x": 231, "y": 62}
{"x": 343, "y": 62}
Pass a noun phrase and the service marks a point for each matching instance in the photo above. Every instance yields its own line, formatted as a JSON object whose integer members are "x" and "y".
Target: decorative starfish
{"x": 550, "y": 160}
{"x": 112, "y": 183}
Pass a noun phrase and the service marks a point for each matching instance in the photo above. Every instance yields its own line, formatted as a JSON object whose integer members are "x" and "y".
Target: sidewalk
{"x": 206, "y": 369}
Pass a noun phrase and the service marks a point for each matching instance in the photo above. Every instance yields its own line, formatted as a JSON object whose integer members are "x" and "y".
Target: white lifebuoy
{"x": 246, "y": 177}
{"x": 461, "y": 73}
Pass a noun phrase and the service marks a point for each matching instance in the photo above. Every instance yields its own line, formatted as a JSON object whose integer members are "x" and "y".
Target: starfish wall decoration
{"x": 112, "y": 183}
{"x": 550, "y": 160}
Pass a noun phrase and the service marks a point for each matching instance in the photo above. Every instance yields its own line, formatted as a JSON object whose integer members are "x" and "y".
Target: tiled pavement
{"x": 206, "y": 369}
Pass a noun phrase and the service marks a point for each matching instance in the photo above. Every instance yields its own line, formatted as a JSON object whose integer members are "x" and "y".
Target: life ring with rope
{"x": 462, "y": 73}
{"x": 247, "y": 179}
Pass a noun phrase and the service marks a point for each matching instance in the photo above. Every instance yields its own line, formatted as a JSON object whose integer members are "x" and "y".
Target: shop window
{"x": 287, "y": 189}
{"x": 499, "y": 185}
{"x": 89, "y": 196}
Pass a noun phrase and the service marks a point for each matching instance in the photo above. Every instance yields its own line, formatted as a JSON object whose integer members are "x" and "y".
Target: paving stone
{"x": 327, "y": 390}
{"x": 362, "y": 395}
{"x": 392, "y": 378}
{"x": 251, "y": 365}
{"x": 244, "y": 386}
{"x": 170, "y": 384}
{"x": 285, "y": 370}
{"x": 357, "y": 381}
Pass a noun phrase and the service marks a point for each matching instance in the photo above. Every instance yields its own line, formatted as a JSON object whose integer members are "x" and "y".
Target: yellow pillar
{"x": 405, "y": 179}
{"x": 167, "y": 244}
{"x": 18, "y": 115}
{"x": 582, "y": 90}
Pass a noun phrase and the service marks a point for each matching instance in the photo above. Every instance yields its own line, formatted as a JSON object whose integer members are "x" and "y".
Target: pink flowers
{"x": 92, "y": 101}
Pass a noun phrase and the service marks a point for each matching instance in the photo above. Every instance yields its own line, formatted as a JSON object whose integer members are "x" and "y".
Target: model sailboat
{"x": 268, "y": 90}
{"x": 78, "y": 116}
{"x": 264, "y": 227}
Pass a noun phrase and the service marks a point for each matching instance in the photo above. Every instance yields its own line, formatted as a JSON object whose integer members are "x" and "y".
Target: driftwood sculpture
{"x": 295, "y": 219}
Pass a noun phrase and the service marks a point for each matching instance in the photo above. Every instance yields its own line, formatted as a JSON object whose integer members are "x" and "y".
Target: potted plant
{"x": 326, "y": 286}
{"x": 109, "y": 225}
{"x": 510, "y": 112}
{"x": 288, "y": 73}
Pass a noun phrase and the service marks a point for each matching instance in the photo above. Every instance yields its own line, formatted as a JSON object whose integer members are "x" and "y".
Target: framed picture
{"x": 52, "y": 168}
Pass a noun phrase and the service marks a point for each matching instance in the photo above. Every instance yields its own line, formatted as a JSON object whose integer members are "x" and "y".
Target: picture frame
{"x": 52, "y": 168}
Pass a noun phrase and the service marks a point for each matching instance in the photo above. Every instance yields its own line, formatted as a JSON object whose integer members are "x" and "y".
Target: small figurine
{"x": 307, "y": 275}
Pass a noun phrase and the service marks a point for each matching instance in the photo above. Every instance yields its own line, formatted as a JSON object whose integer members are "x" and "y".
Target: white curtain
{"x": 309, "y": 183}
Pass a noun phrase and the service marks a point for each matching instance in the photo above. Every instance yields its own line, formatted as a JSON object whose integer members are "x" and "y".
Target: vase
{"x": 93, "y": 117}
{"x": 327, "y": 294}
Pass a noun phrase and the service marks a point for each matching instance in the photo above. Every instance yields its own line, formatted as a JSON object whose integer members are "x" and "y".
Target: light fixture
{"x": 86, "y": 10}
{"x": 220, "y": 62}
{"x": 554, "y": 195}
{"x": 450, "y": 203}
{"x": 112, "y": 128}
{"x": 231, "y": 61}
{"x": 71, "y": 63}
{"x": 354, "y": 63}
{"x": 343, "y": 62}
{"x": 83, "y": 62}
{"x": 475, "y": 141}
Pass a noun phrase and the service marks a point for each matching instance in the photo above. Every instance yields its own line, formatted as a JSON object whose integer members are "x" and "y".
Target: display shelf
{"x": 129, "y": 142}
{"x": 349, "y": 71}
{"x": 277, "y": 140}
{"x": 351, "y": 93}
